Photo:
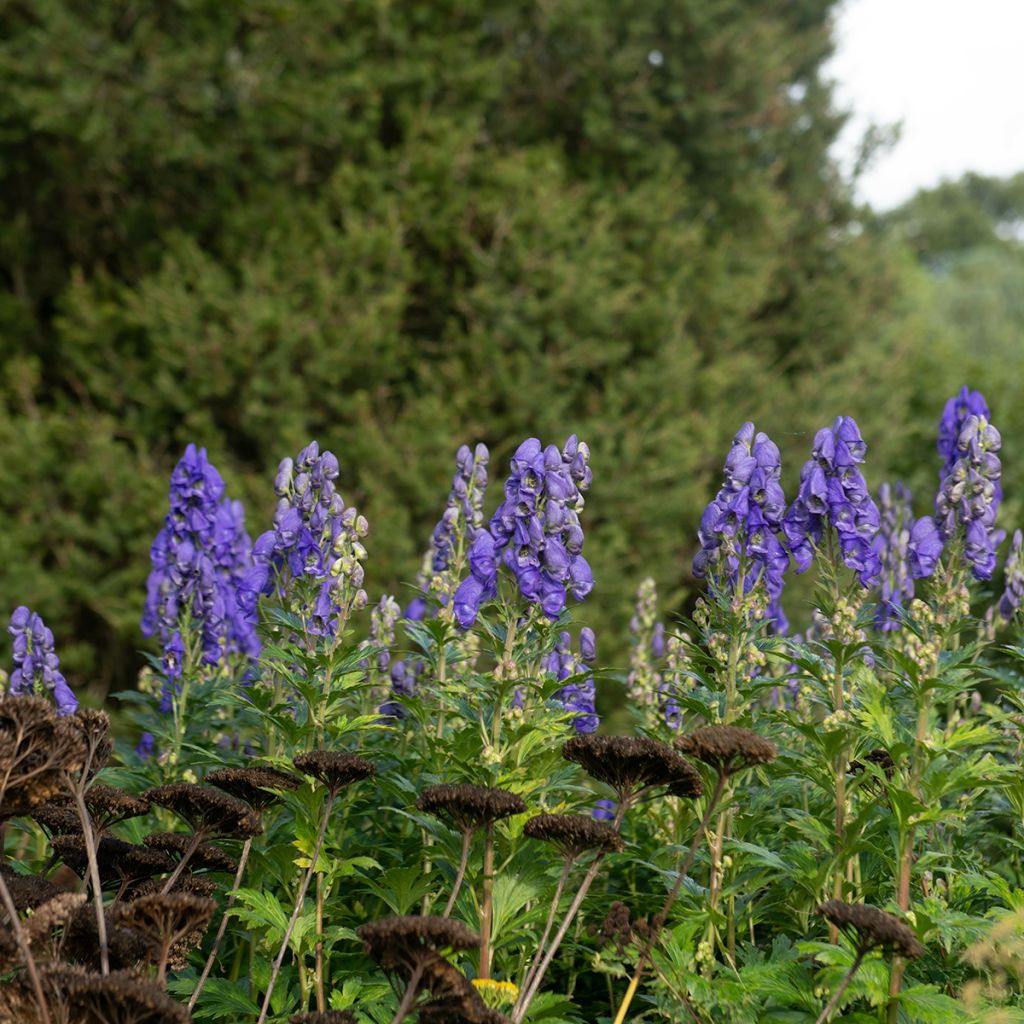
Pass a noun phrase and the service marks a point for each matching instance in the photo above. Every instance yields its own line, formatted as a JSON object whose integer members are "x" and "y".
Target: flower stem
{"x": 559, "y": 889}
{"x": 94, "y": 875}
{"x": 487, "y": 903}
{"x": 197, "y": 838}
{"x": 467, "y": 839}
{"x": 212, "y": 958}
{"x": 279, "y": 959}
{"x": 662, "y": 916}
{"x": 318, "y": 977}
{"x": 838, "y": 994}
{"x": 411, "y": 991}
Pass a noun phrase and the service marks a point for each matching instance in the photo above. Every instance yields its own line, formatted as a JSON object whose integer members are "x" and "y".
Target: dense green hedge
{"x": 398, "y": 227}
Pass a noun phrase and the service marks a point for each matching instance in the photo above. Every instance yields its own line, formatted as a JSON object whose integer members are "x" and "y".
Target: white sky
{"x": 952, "y": 71}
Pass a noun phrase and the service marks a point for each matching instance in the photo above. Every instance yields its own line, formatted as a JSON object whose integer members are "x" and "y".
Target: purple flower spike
{"x": 577, "y": 697}
{"x": 36, "y": 665}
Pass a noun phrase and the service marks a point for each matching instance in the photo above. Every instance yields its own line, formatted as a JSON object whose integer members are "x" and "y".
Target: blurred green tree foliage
{"x": 396, "y": 227}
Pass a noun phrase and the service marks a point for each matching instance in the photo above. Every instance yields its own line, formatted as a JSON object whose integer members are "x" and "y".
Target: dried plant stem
{"x": 318, "y": 977}
{"x": 303, "y": 888}
{"x": 94, "y": 876}
{"x": 487, "y": 903}
{"x": 467, "y": 839}
{"x": 843, "y": 985}
{"x": 197, "y": 838}
{"x": 559, "y": 889}
{"x": 662, "y": 916}
{"x": 212, "y": 958}
{"x": 26, "y": 952}
{"x": 409, "y": 998}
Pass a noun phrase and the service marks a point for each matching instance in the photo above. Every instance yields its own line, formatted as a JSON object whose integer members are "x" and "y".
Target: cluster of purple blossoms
{"x": 649, "y": 690}
{"x": 907, "y": 549}
{"x": 36, "y": 665}
{"x": 968, "y": 499}
{"x": 954, "y": 416}
{"x": 1013, "y": 587}
{"x": 315, "y": 539}
{"x": 740, "y": 529}
{"x": 200, "y": 560}
{"x": 577, "y": 696}
{"x": 535, "y": 531}
{"x": 833, "y": 493}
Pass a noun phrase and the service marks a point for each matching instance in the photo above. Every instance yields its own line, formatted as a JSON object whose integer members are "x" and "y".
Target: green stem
{"x": 838, "y": 994}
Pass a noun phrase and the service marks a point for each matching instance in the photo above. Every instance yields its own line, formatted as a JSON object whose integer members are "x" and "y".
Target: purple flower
{"x": 201, "y": 559}
{"x": 1013, "y": 587}
{"x": 741, "y": 525}
{"x": 833, "y": 493}
{"x": 954, "y": 415}
{"x": 968, "y": 499}
{"x": 535, "y": 533}
{"x": 314, "y": 553}
{"x": 604, "y": 810}
{"x": 36, "y": 665}
{"x": 578, "y": 695}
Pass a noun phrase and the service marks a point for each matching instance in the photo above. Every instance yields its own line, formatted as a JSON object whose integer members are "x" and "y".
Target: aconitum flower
{"x": 969, "y": 496}
{"x": 36, "y": 665}
{"x": 577, "y": 696}
{"x": 740, "y": 528}
{"x": 1013, "y": 587}
{"x": 833, "y": 493}
{"x": 315, "y": 539}
{"x": 200, "y": 558}
{"x": 891, "y": 544}
{"x": 535, "y": 532}
{"x": 954, "y": 416}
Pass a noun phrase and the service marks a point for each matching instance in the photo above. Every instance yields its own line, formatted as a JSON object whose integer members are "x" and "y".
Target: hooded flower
{"x": 833, "y": 493}
{"x": 535, "y": 532}
{"x": 315, "y": 539}
{"x": 36, "y": 665}
{"x": 968, "y": 499}
{"x": 740, "y": 528}
{"x": 200, "y": 558}
{"x": 578, "y": 695}
{"x": 954, "y": 416}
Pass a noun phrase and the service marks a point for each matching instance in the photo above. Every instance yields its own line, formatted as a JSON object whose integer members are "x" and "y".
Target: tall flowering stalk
{"x": 36, "y": 665}
{"x": 645, "y": 682}
{"x": 577, "y": 696}
{"x": 1013, "y": 587}
{"x": 535, "y": 532}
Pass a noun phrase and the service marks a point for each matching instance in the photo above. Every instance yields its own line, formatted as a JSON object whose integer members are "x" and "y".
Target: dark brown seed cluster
{"x": 125, "y": 946}
{"x": 573, "y": 834}
{"x": 207, "y": 810}
{"x": 206, "y": 855}
{"x": 36, "y": 748}
{"x": 453, "y": 999}
{"x": 323, "y": 1017}
{"x": 259, "y": 786}
{"x": 164, "y": 919}
{"x": 28, "y": 891}
{"x": 93, "y": 729}
{"x": 334, "y": 769}
{"x": 52, "y": 915}
{"x": 197, "y": 885}
{"x": 871, "y": 928}
{"x": 617, "y": 928}
{"x": 631, "y": 765}
{"x": 118, "y": 861}
{"x": 880, "y": 757}
{"x": 56, "y": 818}
{"x": 122, "y": 997}
{"x": 400, "y": 943}
{"x": 469, "y": 807}
{"x": 107, "y": 805}
{"x": 727, "y": 748}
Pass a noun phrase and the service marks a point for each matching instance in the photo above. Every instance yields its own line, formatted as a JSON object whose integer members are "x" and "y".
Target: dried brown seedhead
{"x": 54, "y": 914}
{"x": 727, "y": 748}
{"x": 633, "y": 766}
{"x": 400, "y": 943}
{"x": 119, "y": 862}
{"x": 880, "y": 758}
{"x": 335, "y": 769}
{"x": 323, "y": 1017}
{"x": 28, "y": 891}
{"x": 207, "y": 810}
{"x": 573, "y": 834}
{"x": 125, "y": 946}
{"x": 468, "y": 807}
{"x": 206, "y": 855}
{"x": 618, "y": 928}
{"x": 93, "y": 729}
{"x": 197, "y": 885}
{"x": 107, "y": 805}
{"x": 57, "y": 818}
{"x": 122, "y": 997}
{"x": 871, "y": 928}
{"x": 258, "y": 786}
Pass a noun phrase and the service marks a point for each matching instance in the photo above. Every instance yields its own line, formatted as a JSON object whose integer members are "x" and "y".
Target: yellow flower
{"x": 496, "y": 994}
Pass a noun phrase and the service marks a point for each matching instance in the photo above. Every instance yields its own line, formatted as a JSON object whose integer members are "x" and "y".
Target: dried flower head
{"x": 468, "y": 807}
{"x": 56, "y": 817}
{"x": 125, "y": 946}
{"x": 323, "y": 1017}
{"x": 207, "y": 810}
{"x": 122, "y": 997}
{"x": 334, "y": 769}
{"x": 453, "y": 999}
{"x": 93, "y": 728}
{"x": 400, "y": 943}
{"x": 107, "y": 805}
{"x": 54, "y": 914}
{"x": 27, "y": 891}
{"x": 727, "y": 748}
{"x": 632, "y": 766}
{"x": 618, "y": 928}
{"x": 118, "y": 861}
{"x": 871, "y": 928}
{"x": 880, "y": 757}
{"x": 573, "y": 834}
{"x": 206, "y": 855}
{"x": 164, "y": 919}
{"x": 196, "y": 885}
{"x": 257, "y": 786}
{"x": 36, "y": 748}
